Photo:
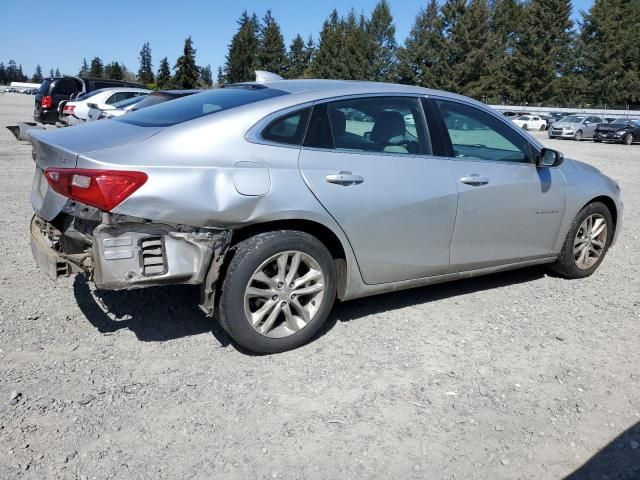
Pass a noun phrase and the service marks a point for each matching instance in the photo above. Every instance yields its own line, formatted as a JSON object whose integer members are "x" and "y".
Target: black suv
{"x": 625, "y": 130}
{"x": 57, "y": 89}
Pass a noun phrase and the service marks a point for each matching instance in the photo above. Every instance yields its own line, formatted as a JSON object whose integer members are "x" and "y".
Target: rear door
{"x": 509, "y": 210}
{"x": 368, "y": 161}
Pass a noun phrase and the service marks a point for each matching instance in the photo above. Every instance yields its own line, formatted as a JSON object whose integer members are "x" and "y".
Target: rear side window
{"x": 198, "y": 105}
{"x": 65, "y": 87}
{"x": 288, "y": 129}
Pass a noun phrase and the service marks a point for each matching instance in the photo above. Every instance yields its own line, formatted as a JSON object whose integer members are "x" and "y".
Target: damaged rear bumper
{"x": 134, "y": 255}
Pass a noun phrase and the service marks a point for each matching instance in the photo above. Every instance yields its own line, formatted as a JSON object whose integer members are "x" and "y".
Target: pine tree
{"x": 420, "y": 59}
{"x": 97, "y": 68}
{"x": 163, "y": 78}
{"x": 326, "y": 62}
{"x": 58, "y": 74}
{"x": 206, "y": 76}
{"x": 220, "y": 79}
{"x": 309, "y": 51}
{"x": 51, "y": 72}
{"x": 84, "y": 69}
{"x": 145, "y": 72}
{"x": 297, "y": 58}
{"x": 356, "y": 53}
{"x": 241, "y": 60}
{"x": 3, "y": 74}
{"x": 272, "y": 54}
{"x": 186, "y": 69}
{"x": 383, "y": 49}
{"x": 611, "y": 40}
{"x": 37, "y": 75}
{"x": 114, "y": 71}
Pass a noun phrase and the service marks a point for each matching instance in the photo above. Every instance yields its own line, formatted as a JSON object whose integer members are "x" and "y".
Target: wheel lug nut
{"x": 291, "y": 285}
{"x": 280, "y": 284}
{"x": 275, "y": 297}
{"x": 283, "y": 304}
{"x": 293, "y": 297}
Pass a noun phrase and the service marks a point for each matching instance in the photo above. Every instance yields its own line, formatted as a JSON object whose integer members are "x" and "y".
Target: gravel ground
{"x": 515, "y": 375}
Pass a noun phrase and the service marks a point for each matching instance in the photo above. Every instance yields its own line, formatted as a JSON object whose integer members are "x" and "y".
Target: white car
{"x": 77, "y": 111}
{"x": 114, "y": 110}
{"x": 531, "y": 122}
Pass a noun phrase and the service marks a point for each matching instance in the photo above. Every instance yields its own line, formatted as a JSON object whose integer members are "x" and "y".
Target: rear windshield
{"x": 198, "y": 105}
{"x": 128, "y": 101}
{"x": 44, "y": 87}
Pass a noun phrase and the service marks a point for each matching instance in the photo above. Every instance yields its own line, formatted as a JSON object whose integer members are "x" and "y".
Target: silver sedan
{"x": 277, "y": 197}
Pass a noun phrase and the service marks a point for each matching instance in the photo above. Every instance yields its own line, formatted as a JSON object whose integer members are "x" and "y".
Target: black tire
{"x": 565, "y": 265}
{"x": 525, "y": 127}
{"x": 248, "y": 255}
{"x": 577, "y": 136}
{"x": 597, "y": 140}
{"x": 542, "y": 128}
{"x": 628, "y": 139}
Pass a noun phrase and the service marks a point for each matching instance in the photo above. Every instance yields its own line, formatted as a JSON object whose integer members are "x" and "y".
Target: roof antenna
{"x": 263, "y": 76}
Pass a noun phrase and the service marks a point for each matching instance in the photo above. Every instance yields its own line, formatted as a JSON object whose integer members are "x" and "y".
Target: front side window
{"x": 373, "y": 124}
{"x": 288, "y": 129}
{"x": 477, "y": 134}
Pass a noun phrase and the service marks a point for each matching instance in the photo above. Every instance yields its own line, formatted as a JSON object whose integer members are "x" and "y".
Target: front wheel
{"x": 525, "y": 127}
{"x": 577, "y": 136}
{"x": 543, "y": 127}
{"x": 278, "y": 291}
{"x": 628, "y": 139}
{"x": 587, "y": 242}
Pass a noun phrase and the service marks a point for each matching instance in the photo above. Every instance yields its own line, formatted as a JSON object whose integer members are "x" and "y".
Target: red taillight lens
{"x": 47, "y": 101}
{"x": 68, "y": 109}
{"x": 103, "y": 189}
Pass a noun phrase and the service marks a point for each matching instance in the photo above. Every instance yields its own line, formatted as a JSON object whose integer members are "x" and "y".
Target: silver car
{"x": 278, "y": 197}
{"x": 576, "y": 127}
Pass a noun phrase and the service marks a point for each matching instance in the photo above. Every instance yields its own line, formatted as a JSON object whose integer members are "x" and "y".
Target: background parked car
{"x": 576, "y": 127}
{"x": 625, "y": 130}
{"x": 76, "y": 111}
{"x": 512, "y": 114}
{"x": 162, "y": 96}
{"x": 531, "y": 122}
{"x": 54, "y": 90}
{"x": 104, "y": 112}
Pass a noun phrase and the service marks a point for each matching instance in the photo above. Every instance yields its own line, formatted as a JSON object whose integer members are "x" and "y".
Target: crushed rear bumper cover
{"x": 135, "y": 255}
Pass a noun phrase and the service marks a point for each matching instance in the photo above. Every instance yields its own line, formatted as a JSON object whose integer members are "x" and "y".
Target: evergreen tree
{"x": 97, "y": 68}
{"x": 241, "y": 60}
{"x": 326, "y": 62}
{"x": 114, "y": 71}
{"x": 357, "y": 47}
{"x": 206, "y": 76}
{"x": 84, "y": 69}
{"x": 297, "y": 58}
{"x": 51, "y": 73}
{"x": 611, "y": 40}
{"x": 37, "y": 75}
{"x": 272, "y": 54}
{"x": 58, "y": 74}
{"x": 220, "y": 79}
{"x": 420, "y": 59}
{"x": 383, "y": 49}
{"x": 309, "y": 50}
{"x": 145, "y": 72}
{"x": 186, "y": 69}
{"x": 163, "y": 78}
{"x": 3, "y": 74}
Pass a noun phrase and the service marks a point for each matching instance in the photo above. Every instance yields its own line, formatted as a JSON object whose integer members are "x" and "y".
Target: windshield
{"x": 524, "y": 117}
{"x": 198, "y": 105}
{"x": 573, "y": 119}
{"x": 128, "y": 101}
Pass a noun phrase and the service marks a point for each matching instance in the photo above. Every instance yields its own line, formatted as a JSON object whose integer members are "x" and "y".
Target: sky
{"x": 60, "y": 33}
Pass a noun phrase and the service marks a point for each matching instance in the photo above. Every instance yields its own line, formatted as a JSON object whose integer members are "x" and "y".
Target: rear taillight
{"x": 103, "y": 189}
{"x": 47, "y": 101}
{"x": 68, "y": 109}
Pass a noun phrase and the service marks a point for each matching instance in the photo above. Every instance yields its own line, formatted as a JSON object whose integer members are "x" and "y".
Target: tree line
{"x": 497, "y": 51}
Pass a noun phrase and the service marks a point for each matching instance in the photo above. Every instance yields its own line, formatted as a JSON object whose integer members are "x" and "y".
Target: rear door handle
{"x": 344, "y": 178}
{"x": 474, "y": 180}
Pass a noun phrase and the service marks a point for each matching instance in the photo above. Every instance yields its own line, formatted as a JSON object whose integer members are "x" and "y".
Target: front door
{"x": 369, "y": 163}
{"x": 509, "y": 210}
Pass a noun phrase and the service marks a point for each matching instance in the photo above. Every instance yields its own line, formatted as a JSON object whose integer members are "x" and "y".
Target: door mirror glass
{"x": 550, "y": 158}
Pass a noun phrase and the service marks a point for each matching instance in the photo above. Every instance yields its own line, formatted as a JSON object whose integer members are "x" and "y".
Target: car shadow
{"x": 159, "y": 314}
{"x": 619, "y": 460}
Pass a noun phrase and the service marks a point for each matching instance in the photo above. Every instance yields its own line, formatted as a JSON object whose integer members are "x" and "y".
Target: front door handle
{"x": 474, "y": 180}
{"x": 345, "y": 178}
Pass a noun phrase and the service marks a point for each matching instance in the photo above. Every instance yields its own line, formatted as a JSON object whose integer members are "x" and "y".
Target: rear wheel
{"x": 577, "y": 136}
{"x": 628, "y": 139}
{"x": 542, "y": 127}
{"x": 587, "y": 242}
{"x": 525, "y": 127}
{"x": 278, "y": 291}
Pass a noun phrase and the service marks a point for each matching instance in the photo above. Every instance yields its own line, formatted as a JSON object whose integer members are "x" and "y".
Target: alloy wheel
{"x": 590, "y": 241}
{"x": 284, "y": 294}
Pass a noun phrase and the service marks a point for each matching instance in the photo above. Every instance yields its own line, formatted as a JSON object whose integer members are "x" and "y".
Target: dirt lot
{"x": 517, "y": 375}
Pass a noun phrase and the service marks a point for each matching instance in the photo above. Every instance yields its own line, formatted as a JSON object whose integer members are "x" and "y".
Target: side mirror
{"x": 549, "y": 158}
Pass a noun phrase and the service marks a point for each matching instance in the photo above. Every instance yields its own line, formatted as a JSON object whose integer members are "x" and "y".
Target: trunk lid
{"x": 61, "y": 148}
